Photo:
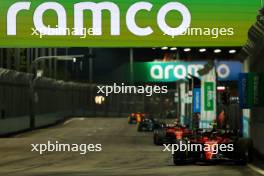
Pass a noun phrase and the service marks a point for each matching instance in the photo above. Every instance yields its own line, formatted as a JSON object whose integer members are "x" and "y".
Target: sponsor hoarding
{"x": 251, "y": 87}
{"x": 120, "y": 23}
{"x": 208, "y": 101}
{"x": 178, "y": 70}
{"x": 197, "y": 100}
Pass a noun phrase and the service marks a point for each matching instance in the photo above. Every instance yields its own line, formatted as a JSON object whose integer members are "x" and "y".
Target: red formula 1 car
{"x": 213, "y": 146}
{"x": 135, "y": 118}
{"x": 168, "y": 134}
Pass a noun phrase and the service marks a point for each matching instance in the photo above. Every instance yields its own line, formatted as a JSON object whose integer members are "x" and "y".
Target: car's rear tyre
{"x": 180, "y": 157}
{"x": 178, "y": 161}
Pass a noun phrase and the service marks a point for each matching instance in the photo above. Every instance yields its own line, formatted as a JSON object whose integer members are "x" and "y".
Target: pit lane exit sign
{"x": 125, "y": 23}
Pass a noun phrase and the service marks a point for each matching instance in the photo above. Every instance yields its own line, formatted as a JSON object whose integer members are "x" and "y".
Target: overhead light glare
{"x": 187, "y": 49}
{"x": 232, "y": 51}
{"x": 217, "y": 51}
{"x": 202, "y": 50}
{"x": 164, "y": 48}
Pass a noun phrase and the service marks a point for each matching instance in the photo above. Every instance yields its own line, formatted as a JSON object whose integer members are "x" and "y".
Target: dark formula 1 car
{"x": 135, "y": 118}
{"x": 148, "y": 124}
{"x": 168, "y": 134}
{"x": 213, "y": 146}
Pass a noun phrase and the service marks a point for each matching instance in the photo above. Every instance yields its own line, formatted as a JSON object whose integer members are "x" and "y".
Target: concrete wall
{"x": 12, "y": 125}
{"x": 47, "y": 119}
{"x": 18, "y": 124}
{"x": 54, "y": 101}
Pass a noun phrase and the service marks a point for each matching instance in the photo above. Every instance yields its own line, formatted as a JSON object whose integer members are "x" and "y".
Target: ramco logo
{"x": 96, "y": 9}
{"x": 181, "y": 71}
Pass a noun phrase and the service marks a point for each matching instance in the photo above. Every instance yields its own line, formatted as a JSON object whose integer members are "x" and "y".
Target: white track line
{"x": 256, "y": 169}
{"x": 73, "y": 119}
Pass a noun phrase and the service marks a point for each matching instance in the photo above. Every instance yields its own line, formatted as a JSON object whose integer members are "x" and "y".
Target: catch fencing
{"x": 56, "y": 100}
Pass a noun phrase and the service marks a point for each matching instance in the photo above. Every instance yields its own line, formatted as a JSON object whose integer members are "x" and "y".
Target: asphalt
{"x": 125, "y": 153}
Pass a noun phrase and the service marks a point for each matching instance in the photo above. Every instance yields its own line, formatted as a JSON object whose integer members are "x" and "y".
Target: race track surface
{"x": 125, "y": 153}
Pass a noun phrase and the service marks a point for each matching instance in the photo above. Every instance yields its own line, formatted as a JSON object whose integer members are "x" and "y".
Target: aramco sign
{"x": 174, "y": 71}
